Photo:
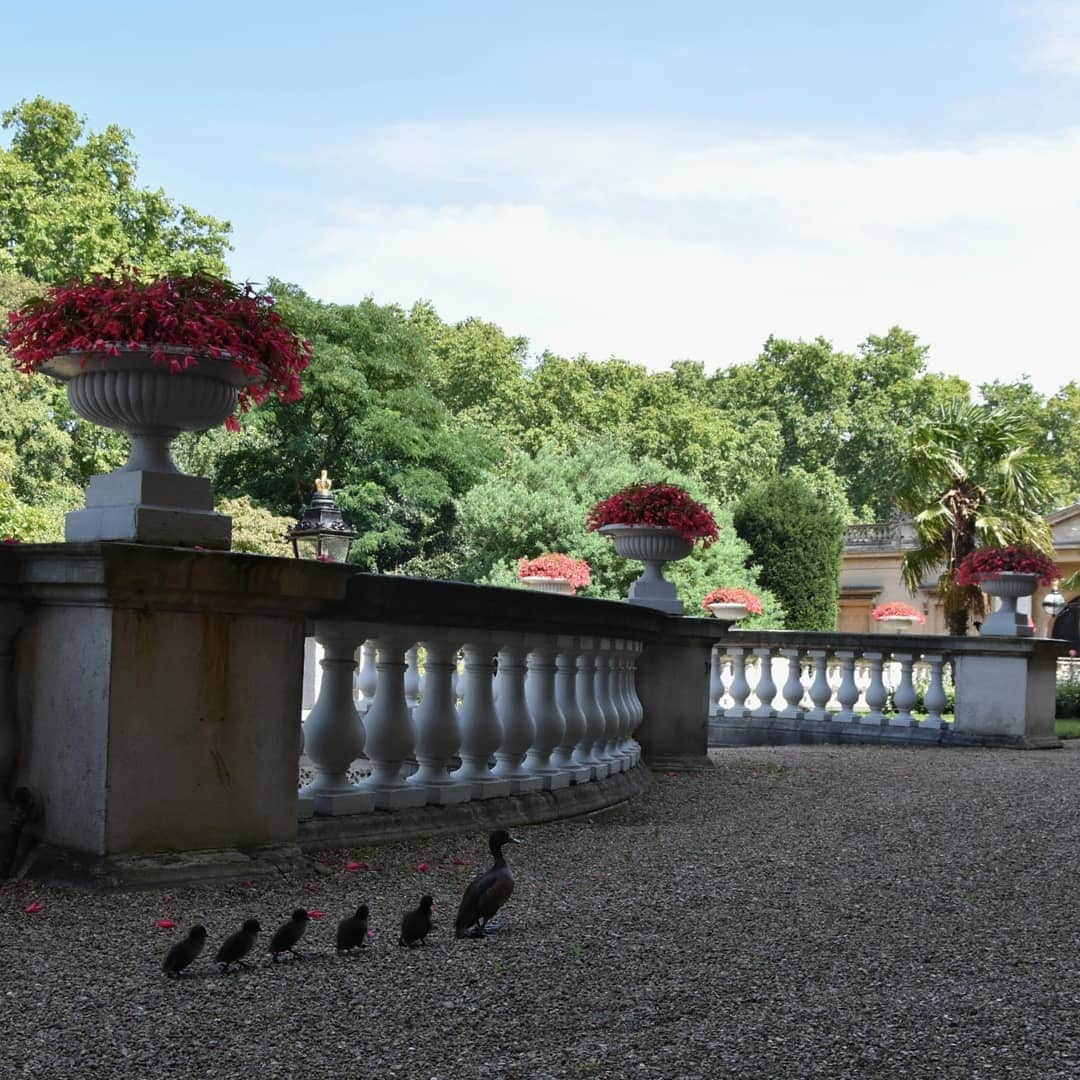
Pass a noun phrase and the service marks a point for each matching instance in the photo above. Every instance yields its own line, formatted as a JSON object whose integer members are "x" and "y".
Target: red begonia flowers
{"x": 209, "y": 317}
{"x": 658, "y": 505}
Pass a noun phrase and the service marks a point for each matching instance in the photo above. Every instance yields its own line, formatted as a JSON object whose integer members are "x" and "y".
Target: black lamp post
{"x": 321, "y": 533}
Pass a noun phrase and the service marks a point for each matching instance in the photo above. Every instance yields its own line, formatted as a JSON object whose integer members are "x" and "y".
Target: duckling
{"x": 487, "y": 892}
{"x": 184, "y": 952}
{"x": 236, "y": 946}
{"x": 288, "y": 934}
{"x": 416, "y": 925}
{"x": 352, "y": 932}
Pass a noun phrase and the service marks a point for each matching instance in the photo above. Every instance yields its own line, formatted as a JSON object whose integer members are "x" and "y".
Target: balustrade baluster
{"x": 716, "y": 680}
{"x": 766, "y": 688}
{"x": 904, "y": 694}
{"x": 412, "y": 677}
{"x": 617, "y": 684}
{"x": 740, "y": 686}
{"x": 573, "y": 718}
{"x": 605, "y": 743}
{"x": 481, "y": 733}
{"x": 820, "y": 690}
{"x": 438, "y": 731}
{"x": 366, "y": 677}
{"x": 391, "y": 734}
{"x": 876, "y": 694}
{"x": 594, "y": 718}
{"x": 544, "y": 709}
{"x": 793, "y": 687}
{"x": 512, "y": 710}
{"x": 848, "y": 693}
{"x": 333, "y": 732}
{"x": 935, "y": 699}
{"x": 637, "y": 712}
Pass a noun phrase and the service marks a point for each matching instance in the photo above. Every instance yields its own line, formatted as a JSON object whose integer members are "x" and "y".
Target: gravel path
{"x": 797, "y": 912}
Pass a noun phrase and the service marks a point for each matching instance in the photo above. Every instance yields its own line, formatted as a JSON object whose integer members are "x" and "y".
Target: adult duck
{"x": 488, "y": 892}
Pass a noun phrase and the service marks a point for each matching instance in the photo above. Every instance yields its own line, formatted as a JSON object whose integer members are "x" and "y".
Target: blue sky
{"x": 652, "y": 181}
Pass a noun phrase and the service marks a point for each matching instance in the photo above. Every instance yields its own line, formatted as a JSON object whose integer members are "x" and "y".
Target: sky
{"x": 651, "y": 181}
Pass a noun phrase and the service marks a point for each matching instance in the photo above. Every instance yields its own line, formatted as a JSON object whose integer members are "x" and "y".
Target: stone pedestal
{"x": 145, "y": 507}
{"x": 159, "y": 695}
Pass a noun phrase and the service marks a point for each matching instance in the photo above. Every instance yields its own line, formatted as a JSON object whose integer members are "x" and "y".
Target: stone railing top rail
{"x": 879, "y": 534}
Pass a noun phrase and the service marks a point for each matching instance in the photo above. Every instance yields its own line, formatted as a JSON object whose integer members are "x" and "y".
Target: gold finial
{"x": 323, "y": 484}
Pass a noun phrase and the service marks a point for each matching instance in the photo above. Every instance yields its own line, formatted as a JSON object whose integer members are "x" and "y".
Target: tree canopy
{"x": 70, "y": 205}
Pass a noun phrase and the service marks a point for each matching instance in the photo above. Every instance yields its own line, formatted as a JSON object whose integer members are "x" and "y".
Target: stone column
{"x": 391, "y": 735}
{"x": 480, "y": 730}
{"x": 548, "y": 718}
{"x": 573, "y": 719}
{"x": 512, "y": 710}
{"x": 333, "y": 731}
{"x": 584, "y": 688}
{"x": 438, "y": 731}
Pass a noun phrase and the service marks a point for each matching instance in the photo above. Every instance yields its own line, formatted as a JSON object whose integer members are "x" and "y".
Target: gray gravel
{"x": 797, "y": 912}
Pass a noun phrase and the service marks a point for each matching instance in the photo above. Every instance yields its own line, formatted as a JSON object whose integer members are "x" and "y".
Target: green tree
{"x": 70, "y": 206}
{"x": 797, "y": 538}
{"x": 972, "y": 477}
{"x": 369, "y": 417}
{"x": 533, "y": 503}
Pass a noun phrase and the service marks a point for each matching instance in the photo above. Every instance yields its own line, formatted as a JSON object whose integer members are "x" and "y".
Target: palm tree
{"x": 971, "y": 479}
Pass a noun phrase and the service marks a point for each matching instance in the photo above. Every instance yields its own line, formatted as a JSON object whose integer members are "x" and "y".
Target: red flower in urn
{"x": 658, "y": 505}
{"x": 983, "y": 563}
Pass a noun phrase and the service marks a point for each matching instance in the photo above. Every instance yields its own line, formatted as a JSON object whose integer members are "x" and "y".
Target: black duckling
{"x": 352, "y": 932}
{"x": 288, "y": 934}
{"x": 416, "y": 925}
{"x": 236, "y": 946}
{"x": 184, "y": 952}
{"x": 486, "y": 893}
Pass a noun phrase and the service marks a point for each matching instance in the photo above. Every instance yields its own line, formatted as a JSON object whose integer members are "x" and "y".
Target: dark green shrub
{"x": 796, "y": 539}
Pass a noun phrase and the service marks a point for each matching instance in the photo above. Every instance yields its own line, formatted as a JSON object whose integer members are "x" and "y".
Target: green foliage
{"x": 538, "y": 502}
{"x": 368, "y": 416}
{"x": 70, "y": 207}
{"x": 797, "y": 539}
{"x": 972, "y": 477}
{"x": 255, "y": 529}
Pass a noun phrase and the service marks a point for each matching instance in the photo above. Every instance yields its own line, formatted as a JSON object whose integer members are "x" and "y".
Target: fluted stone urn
{"x": 1008, "y": 586}
{"x": 148, "y": 500}
{"x": 655, "y": 547}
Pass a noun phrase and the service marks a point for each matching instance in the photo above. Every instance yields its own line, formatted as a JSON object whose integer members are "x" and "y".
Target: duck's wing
{"x": 469, "y": 911}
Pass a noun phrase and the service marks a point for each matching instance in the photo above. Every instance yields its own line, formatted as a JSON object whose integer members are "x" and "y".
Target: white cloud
{"x": 1056, "y": 26}
{"x": 656, "y": 245}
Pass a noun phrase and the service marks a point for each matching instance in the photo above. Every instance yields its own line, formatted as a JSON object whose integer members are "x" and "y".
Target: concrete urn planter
{"x": 539, "y": 583}
{"x": 729, "y": 613}
{"x": 148, "y": 499}
{"x": 1008, "y": 587}
{"x": 897, "y": 624}
{"x": 654, "y": 546}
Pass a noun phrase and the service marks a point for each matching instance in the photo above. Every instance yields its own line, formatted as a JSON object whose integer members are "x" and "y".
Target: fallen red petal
{"x": 248, "y": 884}
{"x": 671, "y": 774}
{"x": 166, "y": 924}
{"x": 34, "y": 908}
{"x": 353, "y": 867}
{"x": 460, "y": 862}
{"x": 423, "y": 866}
{"x": 316, "y": 913}
{"x": 371, "y": 933}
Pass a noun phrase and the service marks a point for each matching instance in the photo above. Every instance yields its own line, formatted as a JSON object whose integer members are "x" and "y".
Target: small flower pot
{"x": 729, "y": 613}
{"x": 897, "y": 624}
{"x": 654, "y": 547}
{"x": 1008, "y": 587}
{"x": 539, "y": 583}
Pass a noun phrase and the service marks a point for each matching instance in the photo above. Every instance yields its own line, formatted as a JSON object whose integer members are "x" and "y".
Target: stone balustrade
{"x": 153, "y": 698}
{"x": 769, "y": 687}
{"x": 482, "y": 714}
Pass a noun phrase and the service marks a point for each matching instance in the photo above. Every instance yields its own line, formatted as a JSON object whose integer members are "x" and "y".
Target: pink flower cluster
{"x": 749, "y": 600}
{"x": 556, "y": 565}
{"x": 897, "y": 610}
{"x": 206, "y": 315}
{"x": 659, "y": 505}
{"x": 989, "y": 562}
